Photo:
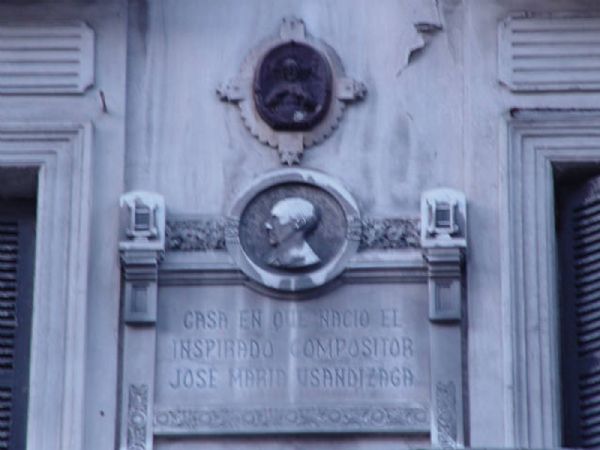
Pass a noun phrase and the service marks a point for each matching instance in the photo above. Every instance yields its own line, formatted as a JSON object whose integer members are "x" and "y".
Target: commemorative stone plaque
{"x": 293, "y": 331}
{"x": 241, "y": 360}
{"x": 230, "y": 359}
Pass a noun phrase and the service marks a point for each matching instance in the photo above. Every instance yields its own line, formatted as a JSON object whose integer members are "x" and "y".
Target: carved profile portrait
{"x": 293, "y": 229}
{"x": 292, "y": 220}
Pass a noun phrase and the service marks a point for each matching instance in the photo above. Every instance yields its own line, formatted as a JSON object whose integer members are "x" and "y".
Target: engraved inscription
{"x": 259, "y": 361}
{"x": 137, "y": 417}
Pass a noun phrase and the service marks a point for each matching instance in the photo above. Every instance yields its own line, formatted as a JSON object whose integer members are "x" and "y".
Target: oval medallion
{"x": 292, "y": 87}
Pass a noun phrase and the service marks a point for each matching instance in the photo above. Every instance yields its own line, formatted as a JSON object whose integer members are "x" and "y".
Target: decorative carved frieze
{"x": 389, "y": 233}
{"x": 445, "y": 414}
{"x": 209, "y": 233}
{"x": 196, "y": 234}
{"x": 314, "y": 418}
{"x": 549, "y": 52}
{"x": 137, "y": 417}
{"x": 46, "y": 58}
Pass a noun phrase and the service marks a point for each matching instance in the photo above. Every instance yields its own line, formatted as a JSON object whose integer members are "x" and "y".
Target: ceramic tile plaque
{"x": 232, "y": 360}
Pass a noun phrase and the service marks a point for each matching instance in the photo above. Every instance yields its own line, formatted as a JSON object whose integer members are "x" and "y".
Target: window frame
{"x": 537, "y": 143}
{"x": 61, "y": 152}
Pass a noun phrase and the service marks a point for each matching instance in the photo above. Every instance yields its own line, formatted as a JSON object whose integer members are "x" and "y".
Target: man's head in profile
{"x": 292, "y": 219}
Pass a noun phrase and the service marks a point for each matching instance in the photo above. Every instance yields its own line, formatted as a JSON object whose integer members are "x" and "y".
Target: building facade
{"x": 299, "y": 224}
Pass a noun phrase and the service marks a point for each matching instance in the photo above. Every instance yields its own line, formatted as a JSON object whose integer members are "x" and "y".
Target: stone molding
{"x": 445, "y": 267}
{"x": 217, "y": 269}
{"x": 397, "y": 418}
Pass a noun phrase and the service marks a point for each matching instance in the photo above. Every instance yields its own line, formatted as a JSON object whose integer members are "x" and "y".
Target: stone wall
{"x": 446, "y": 106}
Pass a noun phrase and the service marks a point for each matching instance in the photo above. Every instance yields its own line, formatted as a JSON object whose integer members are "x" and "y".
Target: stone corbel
{"x": 445, "y": 283}
{"x": 142, "y": 248}
{"x": 443, "y": 240}
{"x": 141, "y": 252}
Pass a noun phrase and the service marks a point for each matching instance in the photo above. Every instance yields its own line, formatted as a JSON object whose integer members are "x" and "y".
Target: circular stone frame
{"x": 293, "y": 280}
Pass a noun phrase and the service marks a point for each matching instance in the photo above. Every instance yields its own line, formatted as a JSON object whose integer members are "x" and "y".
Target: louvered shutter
{"x": 16, "y": 288}
{"x": 579, "y": 244}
